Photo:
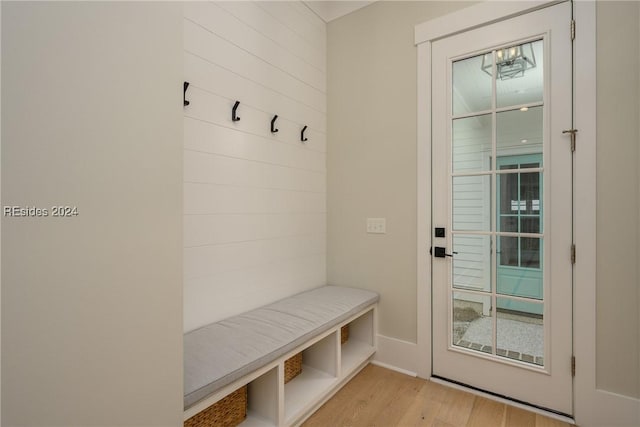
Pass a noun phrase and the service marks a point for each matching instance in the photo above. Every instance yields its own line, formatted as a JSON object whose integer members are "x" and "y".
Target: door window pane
{"x": 520, "y": 334}
{"x": 519, "y": 132}
{"x": 509, "y": 223}
{"x": 530, "y": 192}
{"x": 530, "y": 252}
{"x": 519, "y": 252}
{"x": 508, "y": 251}
{"x": 472, "y": 144}
{"x": 529, "y": 225}
{"x": 509, "y": 199}
{"x": 472, "y": 262}
{"x": 472, "y": 203}
{"x": 472, "y": 322}
{"x": 520, "y": 77}
{"x": 519, "y": 271}
{"x": 471, "y": 86}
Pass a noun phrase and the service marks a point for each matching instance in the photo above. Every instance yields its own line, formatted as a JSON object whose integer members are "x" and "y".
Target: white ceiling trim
{"x": 334, "y": 9}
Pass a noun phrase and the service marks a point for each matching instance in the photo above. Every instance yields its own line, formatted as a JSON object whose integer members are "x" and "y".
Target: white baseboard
{"x": 603, "y": 408}
{"x": 397, "y": 355}
{"x": 394, "y": 368}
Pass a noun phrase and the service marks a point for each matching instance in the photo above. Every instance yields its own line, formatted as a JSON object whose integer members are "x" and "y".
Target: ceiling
{"x": 330, "y": 10}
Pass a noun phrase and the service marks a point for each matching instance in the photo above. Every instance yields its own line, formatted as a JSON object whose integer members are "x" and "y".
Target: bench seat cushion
{"x": 220, "y": 353}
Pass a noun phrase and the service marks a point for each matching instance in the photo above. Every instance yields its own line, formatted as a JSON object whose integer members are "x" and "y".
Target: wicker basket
{"x": 344, "y": 334}
{"x": 292, "y": 367}
{"x": 228, "y": 412}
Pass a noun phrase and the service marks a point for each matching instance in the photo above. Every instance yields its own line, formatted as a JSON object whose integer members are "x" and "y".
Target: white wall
{"x": 254, "y": 202}
{"x": 91, "y": 305}
{"x": 618, "y": 202}
{"x": 372, "y": 155}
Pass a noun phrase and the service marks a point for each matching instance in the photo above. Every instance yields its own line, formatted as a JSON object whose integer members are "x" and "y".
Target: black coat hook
{"x": 273, "y": 124}
{"x": 234, "y": 117}
{"x": 302, "y": 138}
{"x": 184, "y": 93}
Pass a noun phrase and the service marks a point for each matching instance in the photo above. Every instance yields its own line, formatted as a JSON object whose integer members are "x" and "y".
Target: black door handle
{"x": 440, "y": 252}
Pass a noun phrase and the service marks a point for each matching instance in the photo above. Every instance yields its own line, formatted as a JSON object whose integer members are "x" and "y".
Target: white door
{"x": 502, "y": 192}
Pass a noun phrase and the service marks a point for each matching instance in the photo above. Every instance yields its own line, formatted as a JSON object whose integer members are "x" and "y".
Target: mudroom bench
{"x": 252, "y": 354}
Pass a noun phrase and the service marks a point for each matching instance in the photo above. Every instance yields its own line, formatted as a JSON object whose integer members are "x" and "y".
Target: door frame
{"x": 591, "y": 406}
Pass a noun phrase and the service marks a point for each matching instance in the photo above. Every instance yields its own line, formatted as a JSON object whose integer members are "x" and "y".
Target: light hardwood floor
{"x": 381, "y": 397}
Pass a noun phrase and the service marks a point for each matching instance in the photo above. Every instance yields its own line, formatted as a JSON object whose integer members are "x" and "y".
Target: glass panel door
{"x": 498, "y": 108}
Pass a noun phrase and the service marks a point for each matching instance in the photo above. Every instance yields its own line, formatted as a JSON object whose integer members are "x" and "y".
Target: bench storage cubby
{"x": 229, "y": 411}
{"x": 292, "y": 367}
{"x": 251, "y": 349}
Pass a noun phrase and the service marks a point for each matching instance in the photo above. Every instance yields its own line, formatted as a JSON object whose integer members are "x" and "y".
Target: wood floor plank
{"x": 391, "y": 399}
{"x": 381, "y": 397}
{"x": 379, "y": 394}
{"x": 423, "y": 411}
{"x": 486, "y": 413}
{"x": 369, "y": 397}
{"x": 542, "y": 421}
{"x": 440, "y": 423}
{"x": 519, "y": 417}
{"x": 456, "y": 407}
{"x": 401, "y": 398}
{"x": 350, "y": 403}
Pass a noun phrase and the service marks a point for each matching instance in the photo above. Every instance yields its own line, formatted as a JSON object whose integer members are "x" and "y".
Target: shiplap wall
{"x": 254, "y": 202}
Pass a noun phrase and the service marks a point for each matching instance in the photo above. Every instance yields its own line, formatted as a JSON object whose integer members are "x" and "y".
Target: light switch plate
{"x": 377, "y": 225}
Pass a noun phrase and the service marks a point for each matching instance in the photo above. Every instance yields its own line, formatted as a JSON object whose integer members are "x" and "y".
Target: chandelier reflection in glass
{"x": 511, "y": 62}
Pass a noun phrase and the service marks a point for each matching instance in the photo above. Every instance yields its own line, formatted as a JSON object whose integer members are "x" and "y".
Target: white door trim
{"x": 423, "y": 187}
{"x": 475, "y": 16}
{"x": 593, "y": 407}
